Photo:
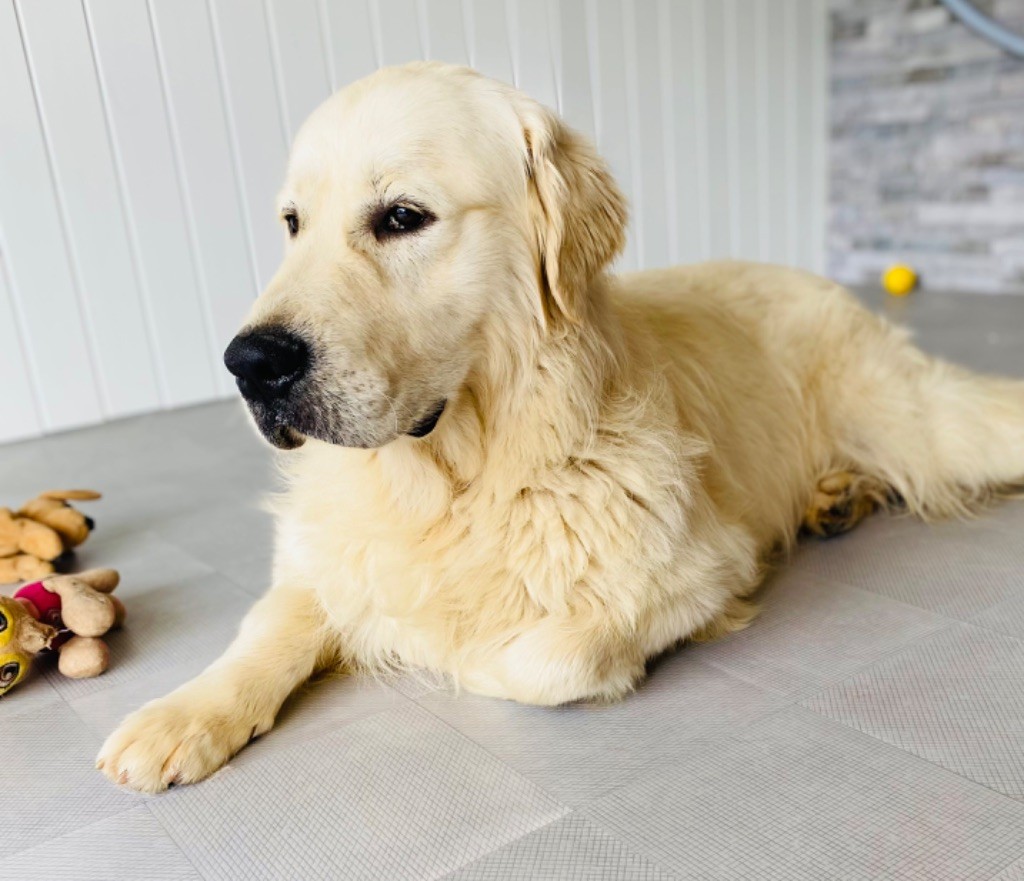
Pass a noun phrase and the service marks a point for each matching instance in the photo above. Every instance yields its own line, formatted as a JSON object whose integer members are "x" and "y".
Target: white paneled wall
{"x": 142, "y": 143}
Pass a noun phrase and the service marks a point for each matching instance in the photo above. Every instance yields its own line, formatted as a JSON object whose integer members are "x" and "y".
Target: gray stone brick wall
{"x": 927, "y": 146}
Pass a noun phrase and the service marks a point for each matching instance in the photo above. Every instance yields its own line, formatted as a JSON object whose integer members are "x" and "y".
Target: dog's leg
{"x": 557, "y": 661}
{"x": 840, "y": 501}
{"x": 193, "y": 731}
{"x": 736, "y": 615}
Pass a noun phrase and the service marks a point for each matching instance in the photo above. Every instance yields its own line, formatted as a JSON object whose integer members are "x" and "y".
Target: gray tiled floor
{"x": 869, "y": 725}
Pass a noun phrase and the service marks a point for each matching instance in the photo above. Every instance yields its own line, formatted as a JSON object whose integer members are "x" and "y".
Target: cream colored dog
{"x": 513, "y": 469}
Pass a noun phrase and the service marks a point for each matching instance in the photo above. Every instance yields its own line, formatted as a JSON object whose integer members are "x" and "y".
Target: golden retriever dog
{"x": 507, "y": 466}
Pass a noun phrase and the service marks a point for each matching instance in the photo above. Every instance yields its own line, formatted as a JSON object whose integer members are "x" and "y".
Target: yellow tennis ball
{"x": 899, "y": 280}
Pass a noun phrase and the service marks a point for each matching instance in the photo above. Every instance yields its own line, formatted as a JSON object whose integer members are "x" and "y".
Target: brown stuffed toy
{"x": 65, "y": 613}
{"x": 40, "y": 532}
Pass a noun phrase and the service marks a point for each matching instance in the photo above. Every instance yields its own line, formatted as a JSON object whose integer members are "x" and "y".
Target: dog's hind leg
{"x": 841, "y": 500}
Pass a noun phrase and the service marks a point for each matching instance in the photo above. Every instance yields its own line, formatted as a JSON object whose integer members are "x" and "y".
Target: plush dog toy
{"x": 40, "y": 532}
{"x": 64, "y": 613}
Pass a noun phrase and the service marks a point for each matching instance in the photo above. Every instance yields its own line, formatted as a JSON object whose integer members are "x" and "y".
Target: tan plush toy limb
{"x": 88, "y": 611}
{"x": 87, "y": 608}
{"x": 83, "y": 657}
{"x": 72, "y": 612}
{"x": 23, "y": 567}
{"x": 39, "y": 532}
{"x": 52, "y": 509}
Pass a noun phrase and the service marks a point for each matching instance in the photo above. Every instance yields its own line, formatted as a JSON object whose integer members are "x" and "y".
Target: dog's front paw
{"x": 181, "y": 738}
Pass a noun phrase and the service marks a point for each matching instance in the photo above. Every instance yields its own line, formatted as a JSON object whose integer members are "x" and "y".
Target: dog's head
{"x": 421, "y": 204}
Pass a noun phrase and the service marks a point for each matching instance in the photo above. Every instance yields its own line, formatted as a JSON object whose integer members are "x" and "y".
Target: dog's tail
{"x": 944, "y": 438}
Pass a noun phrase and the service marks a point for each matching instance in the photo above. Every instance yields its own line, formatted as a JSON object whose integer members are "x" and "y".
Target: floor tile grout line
{"x": 237, "y": 583}
{"x": 474, "y": 860}
{"x": 787, "y": 569}
{"x": 914, "y": 644}
{"x": 812, "y": 713}
{"x": 974, "y": 626}
{"x": 170, "y": 837}
{"x": 415, "y": 705}
{"x": 802, "y": 703}
{"x": 749, "y": 681}
{"x": 956, "y": 542}
{"x": 50, "y": 841}
{"x": 304, "y": 744}
{"x": 970, "y": 781}
{"x": 1001, "y": 869}
{"x": 630, "y": 846}
{"x": 150, "y": 801}
{"x": 84, "y": 721}
{"x": 573, "y": 812}
{"x": 977, "y": 625}
{"x": 567, "y": 809}
{"x": 589, "y": 814}
{"x": 882, "y": 658}
{"x": 737, "y": 675}
{"x": 812, "y": 690}
{"x": 902, "y": 603}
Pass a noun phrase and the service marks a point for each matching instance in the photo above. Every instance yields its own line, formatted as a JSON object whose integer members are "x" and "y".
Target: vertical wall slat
{"x": 130, "y": 78}
{"x": 199, "y": 124}
{"x": 534, "y": 66}
{"x": 487, "y": 28}
{"x": 760, "y": 13}
{"x": 613, "y": 116}
{"x": 627, "y": 25}
{"x": 778, "y": 108}
{"x": 745, "y": 132}
{"x": 808, "y": 136}
{"x": 790, "y": 14}
{"x": 247, "y": 70}
{"x": 573, "y": 68}
{"x": 803, "y": 160}
{"x": 445, "y": 30}
{"x": 350, "y": 39}
{"x": 67, "y": 90}
{"x": 689, "y": 193}
{"x": 716, "y": 120}
{"x": 650, "y": 118}
{"x": 820, "y": 137}
{"x": 43, "y": 296}
{"x": 400, "y": 32}
{"x": 19, "y": 417}
{"x": 302, "y": 68}
{"x": 666, "y": 98}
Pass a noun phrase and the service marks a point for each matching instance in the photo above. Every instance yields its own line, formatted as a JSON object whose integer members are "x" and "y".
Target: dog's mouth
{"x": 429, "y": 422}
{"x": 275, "y": 425}
{"x": 285, "y": 437}
{"x": 287, "y": 425}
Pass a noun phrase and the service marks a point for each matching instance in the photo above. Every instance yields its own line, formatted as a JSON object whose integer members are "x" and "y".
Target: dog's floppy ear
{"x": 579, "y": 213}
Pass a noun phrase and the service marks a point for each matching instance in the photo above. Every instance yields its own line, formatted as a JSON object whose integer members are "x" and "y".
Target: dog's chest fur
{"x": 415, "y": 570}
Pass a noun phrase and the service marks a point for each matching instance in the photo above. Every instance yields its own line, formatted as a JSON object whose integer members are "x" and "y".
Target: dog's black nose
{"x": 267, "y": 363}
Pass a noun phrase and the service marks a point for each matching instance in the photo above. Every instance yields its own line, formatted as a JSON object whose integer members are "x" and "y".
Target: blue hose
{"x": 987, "y": 27}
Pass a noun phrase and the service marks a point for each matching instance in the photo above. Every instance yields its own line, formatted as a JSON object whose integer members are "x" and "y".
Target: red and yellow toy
{"x": 63, "y": 613}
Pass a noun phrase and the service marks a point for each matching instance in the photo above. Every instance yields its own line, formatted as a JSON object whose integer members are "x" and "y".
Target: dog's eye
{"x": 399, "y": 219}
{"x": 292, "y": 221}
